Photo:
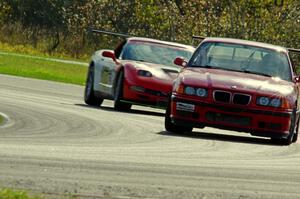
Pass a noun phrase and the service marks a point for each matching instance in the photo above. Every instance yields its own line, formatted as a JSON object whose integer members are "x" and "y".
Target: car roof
{"x": 245, "y": 42}
{"x": 179, "y": 45}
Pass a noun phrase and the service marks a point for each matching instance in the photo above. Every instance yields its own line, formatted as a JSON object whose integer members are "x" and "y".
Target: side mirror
{"x": 297, "y": 79}
{"x": 109, "y": 54}
{"x": 179, "y": 61}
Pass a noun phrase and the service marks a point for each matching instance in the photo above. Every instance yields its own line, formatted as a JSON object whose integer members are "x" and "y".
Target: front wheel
{"x": 89, "y": 96}
{"x": 170, "y": 126}
{"x": 118, "y": 104}
{"x": 293, "y": 135}
{"x": 295, "y": 138}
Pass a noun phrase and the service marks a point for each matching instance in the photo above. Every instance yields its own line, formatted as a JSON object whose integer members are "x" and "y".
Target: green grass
{"x": 10, "y": 194}
{"x": 29, "y": 50}
{"x": 1, "y": 120}
{"x": 19, "y": 194}
{"x": 42, "y": 69}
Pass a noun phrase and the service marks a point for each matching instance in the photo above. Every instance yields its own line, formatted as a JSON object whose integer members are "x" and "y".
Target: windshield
{"x": 154, "y": 53}
{"x": 242, "y": 58}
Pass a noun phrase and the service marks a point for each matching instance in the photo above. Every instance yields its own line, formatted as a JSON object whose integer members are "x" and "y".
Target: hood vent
{"x": 167, "y": 70}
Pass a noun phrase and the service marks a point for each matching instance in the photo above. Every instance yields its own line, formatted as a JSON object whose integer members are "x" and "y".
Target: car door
{"x": 107, "y": 75}
{"x": 107, "y": 71}
{"x": 99, "y": 63}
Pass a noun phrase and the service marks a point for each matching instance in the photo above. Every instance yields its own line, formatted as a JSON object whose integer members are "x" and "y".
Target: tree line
{"x": 61, "y": 25}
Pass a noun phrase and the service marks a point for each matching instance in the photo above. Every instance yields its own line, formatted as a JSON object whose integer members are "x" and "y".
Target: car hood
{"x": 243, "y": 82}
{"x": 158, "y": 71}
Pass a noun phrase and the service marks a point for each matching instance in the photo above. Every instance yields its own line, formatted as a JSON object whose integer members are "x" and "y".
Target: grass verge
{"x": 29, "y": 50}
{"x": 10, "y": 194}
{"x": 1, "y": 122}
{"x": 42, "y": 69}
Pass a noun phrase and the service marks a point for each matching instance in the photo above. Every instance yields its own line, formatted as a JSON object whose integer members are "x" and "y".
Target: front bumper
{"x": 146, "y": 93}
{"x": 257, "y": 122}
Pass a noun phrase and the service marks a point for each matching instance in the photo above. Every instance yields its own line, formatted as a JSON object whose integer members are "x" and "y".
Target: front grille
{"x": 269, "y": 125}
{"x": 226, "y": 97}
{"x": 141, "y": 89}
{"x": 241, "y": 99}
{"x": 222, "y": 96}
{"x": 156, "y": 93}
{"x": 228, "y": 119}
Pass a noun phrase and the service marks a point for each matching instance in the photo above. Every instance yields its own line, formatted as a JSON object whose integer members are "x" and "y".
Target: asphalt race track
{"x": 53, "y": 143}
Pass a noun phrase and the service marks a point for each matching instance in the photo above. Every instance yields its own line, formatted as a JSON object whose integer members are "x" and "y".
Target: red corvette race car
{"x": 138, "y": 71}
{"x": 237, "y": 85}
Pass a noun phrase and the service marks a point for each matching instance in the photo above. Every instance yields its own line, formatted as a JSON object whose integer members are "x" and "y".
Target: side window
{"x": 199, "y": 58}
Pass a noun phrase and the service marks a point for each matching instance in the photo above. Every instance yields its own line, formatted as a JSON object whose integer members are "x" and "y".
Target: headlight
{"x": 189, "y": 90}
{"x": 144, "y": 73}
{"x": 200, "y": 92}
{"x": 266, "y": 101}
{"x": 275, "y": 103}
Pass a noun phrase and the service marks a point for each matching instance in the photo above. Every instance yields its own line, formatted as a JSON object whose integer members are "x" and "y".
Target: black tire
{"x": 118, "y": 95}
{"x": 170, "y": 126}
{"x": 89, "y": 96}
{"x": 293, "y": 136}
{"x": 283, "y": 141}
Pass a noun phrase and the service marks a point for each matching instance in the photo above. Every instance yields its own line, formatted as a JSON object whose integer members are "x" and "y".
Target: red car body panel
{"x": 143, "y": 68}
{"x": 194, "y": 111}
{"x": 261, "y": 119}
{"x": 157, "y": 88}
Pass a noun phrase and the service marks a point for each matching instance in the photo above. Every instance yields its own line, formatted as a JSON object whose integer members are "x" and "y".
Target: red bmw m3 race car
{"x": 237, "y": 85}
{"x": 139, "y": 71}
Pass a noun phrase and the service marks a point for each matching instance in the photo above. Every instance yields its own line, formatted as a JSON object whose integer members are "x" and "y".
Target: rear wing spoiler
{"x": 109, "y": 33}
{"x": 196, "y": 37}
{"x": 294, "y": 50}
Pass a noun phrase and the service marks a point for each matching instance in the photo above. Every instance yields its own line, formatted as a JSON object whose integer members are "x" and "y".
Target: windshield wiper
{"x": 256, "y": 73}
{"x": 216, "y": 67}
{"x": 140, "y": 60}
